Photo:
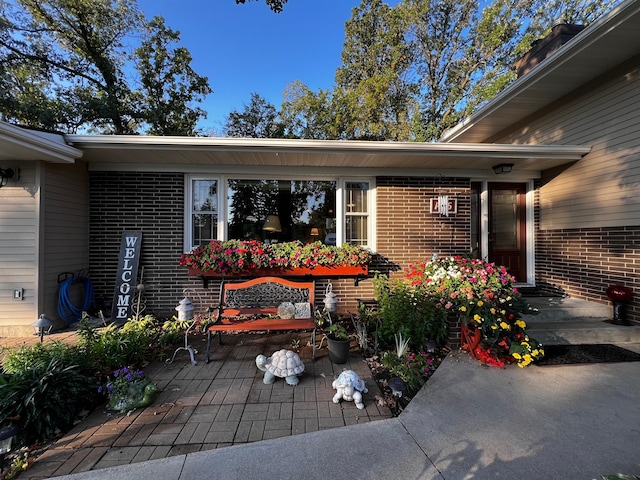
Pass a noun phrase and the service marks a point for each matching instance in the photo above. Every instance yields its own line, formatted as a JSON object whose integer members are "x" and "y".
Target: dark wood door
{"x": 507, "y": 228}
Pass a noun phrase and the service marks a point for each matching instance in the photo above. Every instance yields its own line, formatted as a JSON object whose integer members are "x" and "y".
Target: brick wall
{"x": 154, "y": 203}
{"x": 583, "y": 263}
{"x": 408, "y": 232}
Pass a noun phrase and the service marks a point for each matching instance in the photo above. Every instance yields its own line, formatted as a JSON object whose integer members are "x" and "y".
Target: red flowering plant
{"x": 234, "y": 256}
{"x": 482, "y": 293}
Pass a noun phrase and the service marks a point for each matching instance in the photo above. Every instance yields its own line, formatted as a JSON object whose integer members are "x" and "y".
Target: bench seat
{"x": 252, "y": 306}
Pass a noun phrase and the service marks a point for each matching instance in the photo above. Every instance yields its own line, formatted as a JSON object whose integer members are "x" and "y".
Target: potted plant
{"x": 129, "y": 389}
{"x": 489, "y": 306}
{"x": 338, "y": 342}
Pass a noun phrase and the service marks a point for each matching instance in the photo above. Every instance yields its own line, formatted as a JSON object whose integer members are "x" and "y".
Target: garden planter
{"x": 338, "y": 350}
{"x": 318, "y": 271}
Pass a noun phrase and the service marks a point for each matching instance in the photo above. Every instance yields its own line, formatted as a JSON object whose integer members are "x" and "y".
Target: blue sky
{"x": 247, "y": 48}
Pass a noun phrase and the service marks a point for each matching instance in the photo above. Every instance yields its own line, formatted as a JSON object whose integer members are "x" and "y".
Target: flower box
{"x": 238, "y": 258}
{"x": 318, "y": 271}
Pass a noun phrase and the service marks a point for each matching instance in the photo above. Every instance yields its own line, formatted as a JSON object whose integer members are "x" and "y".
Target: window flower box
{"x": 253, "y": 259}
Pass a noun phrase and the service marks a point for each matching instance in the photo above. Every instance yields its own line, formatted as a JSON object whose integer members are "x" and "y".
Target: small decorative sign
{"x": 126, "y": 280}
{"x": 444, "y": 205}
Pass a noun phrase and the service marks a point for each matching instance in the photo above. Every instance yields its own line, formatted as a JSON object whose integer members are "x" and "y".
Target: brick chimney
{"x": 560, "y": 34}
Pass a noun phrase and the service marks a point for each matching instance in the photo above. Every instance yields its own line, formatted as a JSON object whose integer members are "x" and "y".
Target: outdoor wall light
{"x": 502, "y": 168}
{"x": 315, "y": 232}
{"x": 41, "y": 326}
{"x": 5, "y": 175}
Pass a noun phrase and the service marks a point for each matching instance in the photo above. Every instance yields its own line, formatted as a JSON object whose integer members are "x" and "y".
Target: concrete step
{"x": 570, "y": 321}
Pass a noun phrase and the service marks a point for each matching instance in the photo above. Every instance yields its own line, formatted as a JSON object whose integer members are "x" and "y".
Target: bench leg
{"x": 208, "y": 347}
{"x": 313, "y": 342}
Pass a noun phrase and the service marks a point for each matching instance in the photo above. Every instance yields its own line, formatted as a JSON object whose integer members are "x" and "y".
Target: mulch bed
{"x": 585, "y": 354}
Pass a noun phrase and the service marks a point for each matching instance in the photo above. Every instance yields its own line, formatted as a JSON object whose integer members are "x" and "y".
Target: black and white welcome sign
{"x": 126, "y": 279}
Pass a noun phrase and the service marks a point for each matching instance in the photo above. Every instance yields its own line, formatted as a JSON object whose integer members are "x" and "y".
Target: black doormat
{"x": 583, "y": 354}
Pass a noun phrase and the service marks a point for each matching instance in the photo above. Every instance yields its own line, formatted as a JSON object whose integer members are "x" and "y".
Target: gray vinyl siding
{"x": 18, "y": 250}
{"x": 65, "y": 246}
{"x": 602, "y": 189}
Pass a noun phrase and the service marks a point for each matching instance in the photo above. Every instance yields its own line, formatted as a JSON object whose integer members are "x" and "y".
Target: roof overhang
{"x": 20, "y": 144}
{"x": 609, "y": 41}
{"x": 127, "y": 152}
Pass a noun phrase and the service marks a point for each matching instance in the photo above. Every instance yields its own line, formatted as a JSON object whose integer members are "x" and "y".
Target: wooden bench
{"x": 252, "y": 306}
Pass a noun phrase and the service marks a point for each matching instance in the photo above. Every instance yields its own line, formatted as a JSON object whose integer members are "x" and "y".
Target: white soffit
{"x": 130, "y": 151}
{"x": 609, "y": 41}
{"x": 20, "y": 144}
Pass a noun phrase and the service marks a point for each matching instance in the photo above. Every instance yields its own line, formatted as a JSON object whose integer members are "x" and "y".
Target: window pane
{"x": 205, "y": 196}
{"x": 357, "y": 197}
{"x": 205, "y": 211}
{"x": 505, "y": 219}
{"x": 356, "y": 229}
{"x": 305, "y": 210}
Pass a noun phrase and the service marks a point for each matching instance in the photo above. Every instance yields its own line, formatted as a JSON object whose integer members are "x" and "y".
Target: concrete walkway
{"x": 469, "y": 422}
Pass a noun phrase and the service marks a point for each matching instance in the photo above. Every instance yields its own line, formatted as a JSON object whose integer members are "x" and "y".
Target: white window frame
{"x": 188, "y": 208}
{"x": 222, "y": 211}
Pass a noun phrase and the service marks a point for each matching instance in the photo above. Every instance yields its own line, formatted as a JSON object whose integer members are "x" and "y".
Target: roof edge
{"x": 51, "y": 145}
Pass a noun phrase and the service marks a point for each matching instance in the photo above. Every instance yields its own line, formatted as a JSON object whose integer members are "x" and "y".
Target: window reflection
{"x": 305, "y": 210}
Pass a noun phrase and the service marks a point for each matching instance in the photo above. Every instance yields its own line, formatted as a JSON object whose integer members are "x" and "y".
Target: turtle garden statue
{"x": 284, "y": 364}
{"x": 350, "y": 387}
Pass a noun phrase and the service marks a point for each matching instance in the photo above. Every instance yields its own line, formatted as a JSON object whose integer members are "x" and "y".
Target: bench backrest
{"x": 266, "y": 292}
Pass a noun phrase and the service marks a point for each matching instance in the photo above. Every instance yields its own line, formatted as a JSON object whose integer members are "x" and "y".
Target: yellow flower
{"x": 517, "y": 356}
{"x": 480, "y": 303}
{"x": 505, "y": 326}
{"x": 541, "y": 351}
{"x": 477, "y": 317}
{"x": 524, "y": 344}
{"x": 493, "y": 327}
{"x": 463, "y": 308}
{"x": 503, "y": 312}
{"x": 493, "y": 311}
{"x": 521, "y": 323}
{"x": 535, "y": 353}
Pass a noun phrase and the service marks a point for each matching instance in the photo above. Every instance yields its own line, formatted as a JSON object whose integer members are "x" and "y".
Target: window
{"x": 357, "y": 213}
{"x": 278, "y": 210}
{"x": 282, "y": 210}
{"x": 204, "y": 211}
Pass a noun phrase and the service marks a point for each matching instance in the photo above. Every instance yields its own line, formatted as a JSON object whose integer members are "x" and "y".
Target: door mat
{"x": 584, "y": 354}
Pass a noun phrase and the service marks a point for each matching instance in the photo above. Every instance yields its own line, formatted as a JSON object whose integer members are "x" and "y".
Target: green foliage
{"x": 111, "y": 347}
{"x": 46, "y": 399}
{"x": 412, "y": 368}
{"x": 404, "y": 309}
{"x": 337, "y": 332}
{"x": 258, "y": 120}
{"x": 45, "y": 386}
{"x": 71, "y": 73}
{"x": 39, "y": 355}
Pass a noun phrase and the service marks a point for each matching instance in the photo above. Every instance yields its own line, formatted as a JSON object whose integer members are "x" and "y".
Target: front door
{"x": 507, "y": 228}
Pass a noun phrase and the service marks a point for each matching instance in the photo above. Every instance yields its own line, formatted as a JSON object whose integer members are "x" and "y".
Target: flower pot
{"x": 338, "y": 350}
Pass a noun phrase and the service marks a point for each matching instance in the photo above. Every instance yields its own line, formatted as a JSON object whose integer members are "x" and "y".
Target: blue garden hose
{"x": 69, "y": 312}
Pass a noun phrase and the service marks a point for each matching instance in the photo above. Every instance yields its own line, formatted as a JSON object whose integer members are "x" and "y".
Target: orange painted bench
{"x": 252, "y": 306}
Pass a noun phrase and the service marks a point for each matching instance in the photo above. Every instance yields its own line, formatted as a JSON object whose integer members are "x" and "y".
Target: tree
{"x": 275, "y": 5}
{"x": 373, "y": 94}
{"x": 306, "y": 114}
{"x": 259, "y": 119}
{"x": 169, "y": 84}
{"x": 73, "y": 54}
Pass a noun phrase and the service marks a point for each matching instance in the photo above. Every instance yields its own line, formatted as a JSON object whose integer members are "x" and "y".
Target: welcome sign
{"x": 126, "y": 279}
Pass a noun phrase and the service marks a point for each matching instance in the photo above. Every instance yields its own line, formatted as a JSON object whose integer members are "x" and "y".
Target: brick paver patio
{"x": 213, "y": 405}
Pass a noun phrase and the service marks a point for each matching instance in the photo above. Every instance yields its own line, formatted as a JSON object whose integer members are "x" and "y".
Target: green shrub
{"x": 405, "y": 309}
{"x": 111, "y": 347}
{"x": 46, "y": 399}
{"x": 39, "y": 355}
